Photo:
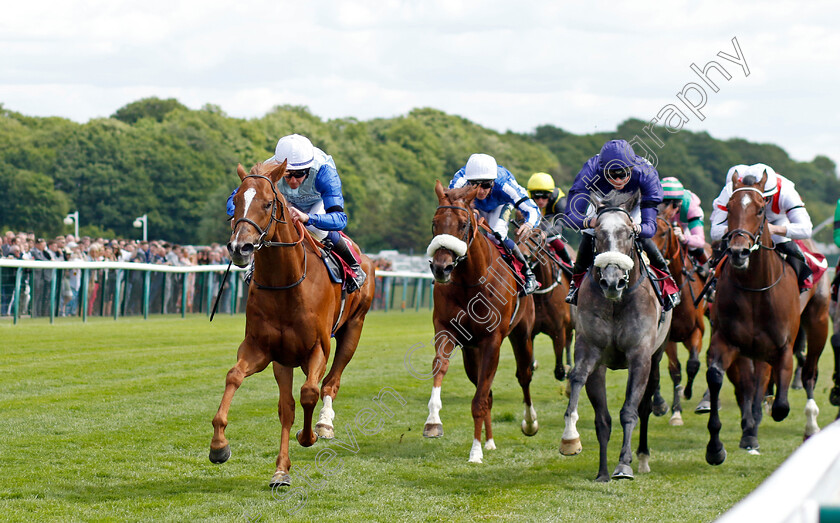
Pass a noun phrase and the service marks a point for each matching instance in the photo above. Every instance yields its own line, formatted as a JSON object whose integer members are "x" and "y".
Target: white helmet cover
{"x": 757, "y": 170}
{"x": 297, "y": 150}
{"x": 481, "y": 167}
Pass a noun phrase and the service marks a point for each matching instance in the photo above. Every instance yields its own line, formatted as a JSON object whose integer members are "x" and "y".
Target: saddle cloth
{"x": 338, "y": 269}
{"x": 515, "y": 264}
{"x": 816, "y": 262}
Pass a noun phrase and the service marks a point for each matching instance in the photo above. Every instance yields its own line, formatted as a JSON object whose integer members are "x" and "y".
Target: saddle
{"x": 512, "y": 262}
{"x": 816, "y": 262}
{"x": 337, "y": 268}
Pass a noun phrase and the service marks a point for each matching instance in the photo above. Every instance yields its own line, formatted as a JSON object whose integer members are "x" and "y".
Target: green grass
{"x": 111, "y": 421}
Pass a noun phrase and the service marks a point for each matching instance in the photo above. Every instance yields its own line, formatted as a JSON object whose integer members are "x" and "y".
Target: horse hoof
{"x": 715, "y": 458}
{"x": 324, "y": 431}
{"x": 280, "y": 479}
{"x": 570, "y": 447}
{"x": 560, "y": 373}
{"x": 623, "y": 471}
{"x": 834, "y": 396}
{"x": 644, "y": 463}
{"x": 602, "y": 478}
{"x": 432, "y": 430}
{"x": 676, "y": 420}
{"x": 704, "y": 407}
{"x": 748, "y": 442}
{"x": 530, "y": 429}
{"x": 304, "y": 443}
{"x": 220, "y": 455}
{"x": 779, "y": 412}
{"x": 490, "y": 444}
{"x": 660, "y": 407}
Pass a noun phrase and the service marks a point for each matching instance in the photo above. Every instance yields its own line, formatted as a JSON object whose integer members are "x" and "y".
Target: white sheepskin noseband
{"x": 623, "y": 261}
{"x": 447, "y": 241}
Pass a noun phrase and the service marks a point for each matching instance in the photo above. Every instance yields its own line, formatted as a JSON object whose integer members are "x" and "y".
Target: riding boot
{"x": 560, "y": 248}
{"x": 796, "y": 258}
{"x": 343, "y": 250}
{"x": 658, "y": 261}
{"x": 701, "y": 266}
{"x": 530, "y": 283}
{"x": 585, "y": 256}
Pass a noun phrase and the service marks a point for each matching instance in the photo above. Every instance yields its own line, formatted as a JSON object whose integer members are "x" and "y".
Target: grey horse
{"x": 619, "y": 325}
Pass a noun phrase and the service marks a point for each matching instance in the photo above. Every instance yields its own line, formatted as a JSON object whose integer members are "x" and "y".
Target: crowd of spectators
{"x": 37, "y": 283}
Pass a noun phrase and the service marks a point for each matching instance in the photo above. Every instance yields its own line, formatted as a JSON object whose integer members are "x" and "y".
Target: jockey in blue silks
{"x": 313, "y": 189}
{"x": 615, "y": 168}
{"x": 498, "y": 194}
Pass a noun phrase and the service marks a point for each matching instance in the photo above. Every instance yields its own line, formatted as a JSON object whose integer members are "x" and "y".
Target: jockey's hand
{"x": 524, "y": 230}
{"x": 590, "y": 223}
{"x": 298, "y": 215}
{"x": 637, "y": 228}
{"x": 678, "y": 232}
{"x": 780, "y": 230}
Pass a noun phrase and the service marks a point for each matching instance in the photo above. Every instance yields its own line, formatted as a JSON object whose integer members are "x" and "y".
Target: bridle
{"x": 604, "y": 210}
{"x": 262, "y": 242}
{"x": 755, "y": 238}
{"x": 471, "y": 230}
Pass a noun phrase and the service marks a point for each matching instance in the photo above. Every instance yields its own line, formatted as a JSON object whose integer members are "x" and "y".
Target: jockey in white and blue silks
{"x": 313, "y": 189}
{"x": 787, "y": 218}
{"x": 498, "y": 195}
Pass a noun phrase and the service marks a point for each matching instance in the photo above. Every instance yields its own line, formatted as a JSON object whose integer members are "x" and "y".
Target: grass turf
{"x": 111, "y": 421}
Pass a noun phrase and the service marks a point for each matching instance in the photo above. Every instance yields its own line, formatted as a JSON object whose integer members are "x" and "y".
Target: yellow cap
{"x": 541, "y": 182}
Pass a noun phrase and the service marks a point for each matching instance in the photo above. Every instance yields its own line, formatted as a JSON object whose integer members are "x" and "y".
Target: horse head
{"x": 614, "y": 243}
{"x": 453, "y": 229}
{"x": 665, "y": 239}
{"x": 746, "y": 218}
{"x": 257, "y": 204}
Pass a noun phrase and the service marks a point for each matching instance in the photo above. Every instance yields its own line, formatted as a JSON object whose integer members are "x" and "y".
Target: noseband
{"x": 604, "y": 210}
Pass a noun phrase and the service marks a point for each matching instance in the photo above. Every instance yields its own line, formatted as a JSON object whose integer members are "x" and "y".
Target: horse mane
{"x": 458, "y": 194}
{"x": 625, "y": 200}
{"x": 260, "y": 168}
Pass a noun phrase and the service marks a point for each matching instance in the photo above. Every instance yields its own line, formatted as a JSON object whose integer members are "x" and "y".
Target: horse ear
{"x": 439, "y": 190}
{"x": 763, "y": 181}
{"x": 277, "y": 171}
{"x": 470, "y": 196}
{"x": 241, "y": 171}
{"x": 735, "y": 180}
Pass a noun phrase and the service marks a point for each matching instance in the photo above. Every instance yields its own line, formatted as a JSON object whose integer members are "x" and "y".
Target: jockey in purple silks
{"x": 313, "y": 189}
{"x": 615, "y": 168}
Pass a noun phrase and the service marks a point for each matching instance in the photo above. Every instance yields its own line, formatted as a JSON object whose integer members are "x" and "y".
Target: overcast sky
{"x": 506, "y": 65}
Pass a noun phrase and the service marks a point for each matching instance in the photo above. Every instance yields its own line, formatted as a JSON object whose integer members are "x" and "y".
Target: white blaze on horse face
{"x": 612, "y": 225}
{"x": 249, "y": 197}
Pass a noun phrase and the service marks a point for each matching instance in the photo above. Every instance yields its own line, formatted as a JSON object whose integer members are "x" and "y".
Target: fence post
{"x": 18, "y": 280}
{"x": 386, "y": 293}
{"x": 209, "y": 294}
{"x": 431, "y": 293}
{"x": 117, "y": 277}
{"x": 418, "y": 294}
{"x": 84, "y": 294}
{"x": 184, "y": 295}
{"x": 52, "y": 295}
{"x": 147, "y": 284}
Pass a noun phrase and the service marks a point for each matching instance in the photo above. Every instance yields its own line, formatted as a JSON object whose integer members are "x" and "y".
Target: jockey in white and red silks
{"x": 787, "y": 218}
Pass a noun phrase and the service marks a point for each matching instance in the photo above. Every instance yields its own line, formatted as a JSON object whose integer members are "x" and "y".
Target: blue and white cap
{"x": 295, "y": 149}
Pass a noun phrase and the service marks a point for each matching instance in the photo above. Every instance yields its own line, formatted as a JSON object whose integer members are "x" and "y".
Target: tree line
{"x": 177, "y": 165}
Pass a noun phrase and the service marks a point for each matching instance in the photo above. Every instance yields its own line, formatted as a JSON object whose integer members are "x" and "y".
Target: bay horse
{"x": 552, "y": 315}
{"x": 619, "y": 325}
{"x": 834, "y": 395}
{"x": 293, "y": 309}
{"x": 476, "y": 305}
{"x": 757, "y": 314}
{"x": 687, "y": 323}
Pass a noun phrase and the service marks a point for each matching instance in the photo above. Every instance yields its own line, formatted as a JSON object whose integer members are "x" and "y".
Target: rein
{"x": 471, "y": 231}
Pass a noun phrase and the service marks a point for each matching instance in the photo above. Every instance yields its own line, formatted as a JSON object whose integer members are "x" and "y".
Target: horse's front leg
{"x": 746, "y": 376}
{"x": 523, "y": 351}
{"x": 782, "y": 376}
{"x": 487, "y": 363}
{"x": 692, "y": 367}
{"x": 286, "y": 411}
{"x": 637, "y": 383}
{"x": 309, "y": 393}
{"x": 444, "y": 348}
{"x": 596, "y": 390}
{"x": 719, "y": 358}
{"x": 249, "y": 360}
{"x": 676, "y": 377}
{"x": 588, "y": 357}
{"x": 643, "y": 451}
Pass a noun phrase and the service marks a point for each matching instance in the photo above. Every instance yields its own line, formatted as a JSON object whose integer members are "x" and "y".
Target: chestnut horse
{"x": 552, "y": 315}
{"x": 293, "y": 309}
{"x": 687, "y": 324}
{"x": 757, "y": 315}
{"x": 619, "y": 325}
{"x": 476, "y": 307}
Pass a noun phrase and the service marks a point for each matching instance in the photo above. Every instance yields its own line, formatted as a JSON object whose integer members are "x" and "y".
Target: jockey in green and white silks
{"x": 313, "y": 189}
{"x": 498, "y": 195}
